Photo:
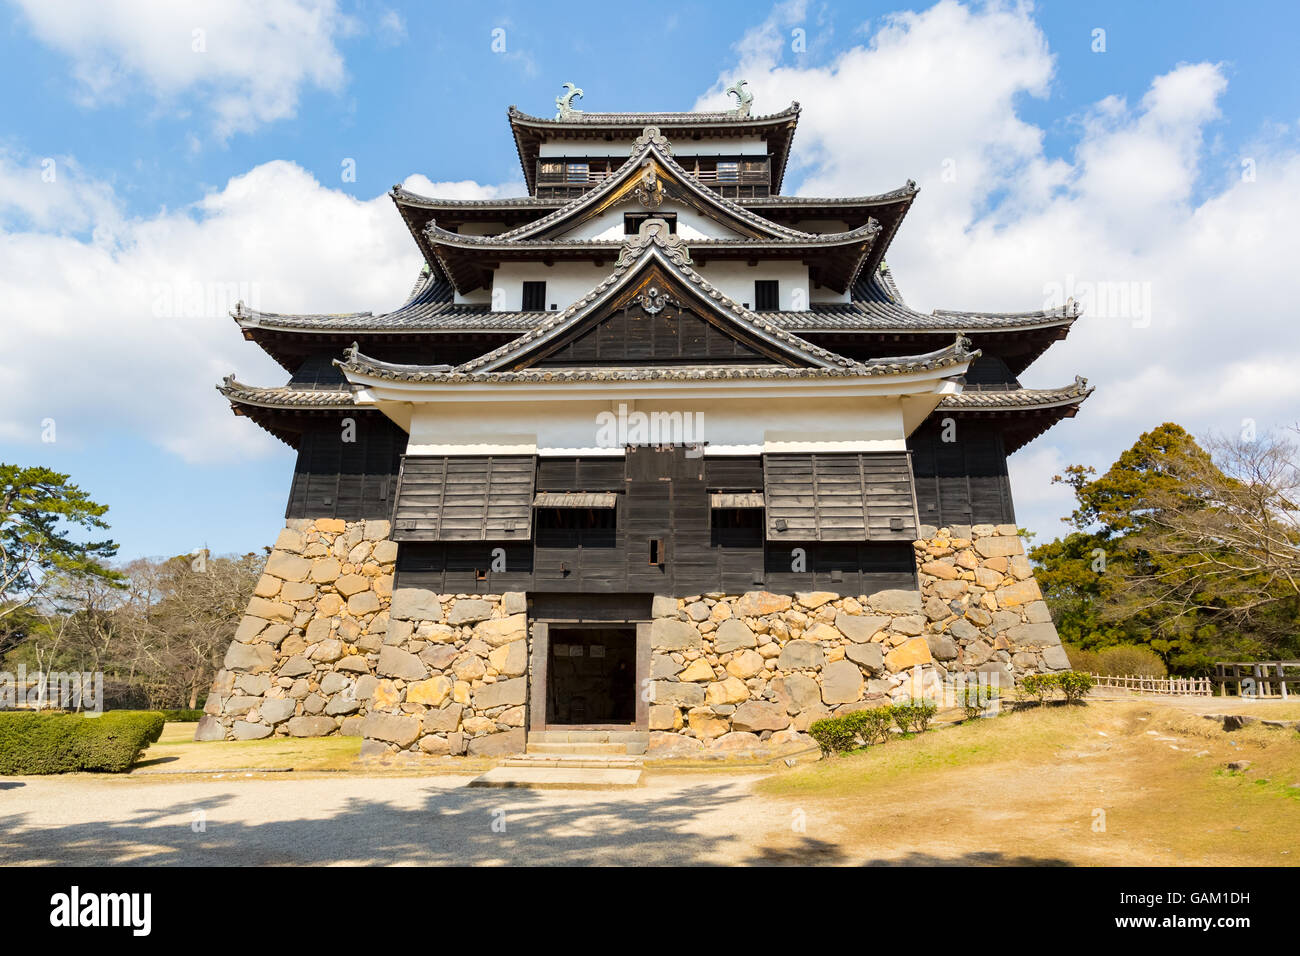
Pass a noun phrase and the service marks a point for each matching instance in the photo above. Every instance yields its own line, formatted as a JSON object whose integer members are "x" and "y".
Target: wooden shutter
{"x": 464, "y": 498}
{"x": 839, "y": 497}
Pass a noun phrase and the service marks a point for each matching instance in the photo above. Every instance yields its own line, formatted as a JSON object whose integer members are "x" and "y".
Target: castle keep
{"x": 654, "y": 450}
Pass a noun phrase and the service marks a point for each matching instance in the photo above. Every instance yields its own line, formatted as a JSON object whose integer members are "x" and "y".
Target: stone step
{"x": 560, "y": 778}
{"x": 576, "y": 748}
{"x": 573, "y": 760}
{"x": 587, "y": 736}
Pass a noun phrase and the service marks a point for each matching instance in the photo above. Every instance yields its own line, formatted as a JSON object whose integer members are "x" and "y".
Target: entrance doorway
{"x": 591, "y": 676}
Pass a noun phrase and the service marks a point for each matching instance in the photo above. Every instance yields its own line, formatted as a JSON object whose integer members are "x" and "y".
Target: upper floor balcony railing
{"x": 735, "y": 178}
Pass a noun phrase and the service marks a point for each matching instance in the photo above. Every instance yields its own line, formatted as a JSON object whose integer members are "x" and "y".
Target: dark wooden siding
{"x": 334, "y": 478}
{"x": 454, "y": 567}
{"x": 663, "y": 495}
{"x": 963, "y": 481}
{"x": 839, "y": 497}
{"x": 845, "y": 567}
{"x": 464, "y": 498}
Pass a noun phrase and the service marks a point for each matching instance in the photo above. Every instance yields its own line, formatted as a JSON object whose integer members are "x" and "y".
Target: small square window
{"x": 632, "y": 221}
{"x": 534, "y": 297}
{"x": 767, "y": 295}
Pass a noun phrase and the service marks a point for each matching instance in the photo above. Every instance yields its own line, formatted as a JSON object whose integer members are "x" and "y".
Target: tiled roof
{"x": 671, "y": 253}
{"x": 286, "y": 396}
{"x": 876, "y": 307}
{"x": 1017, "y": 399}
{"x": 950, "y": 357}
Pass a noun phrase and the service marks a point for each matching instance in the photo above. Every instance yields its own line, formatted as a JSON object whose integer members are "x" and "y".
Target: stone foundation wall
{"x": 452, "y": 676}
{"x": 327, "y": 648}
{"x": 303, "y": 659}
{"x": 747, "y": 673}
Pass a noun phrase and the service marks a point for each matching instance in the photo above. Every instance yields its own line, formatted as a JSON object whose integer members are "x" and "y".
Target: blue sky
{"x": 173, "y": 161}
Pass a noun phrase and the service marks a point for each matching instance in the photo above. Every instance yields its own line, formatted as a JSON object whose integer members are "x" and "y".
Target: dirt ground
{"x": 1127, "y": 782}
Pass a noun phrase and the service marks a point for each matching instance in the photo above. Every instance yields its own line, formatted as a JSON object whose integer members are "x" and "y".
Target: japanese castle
{"x": 654, "y": 382}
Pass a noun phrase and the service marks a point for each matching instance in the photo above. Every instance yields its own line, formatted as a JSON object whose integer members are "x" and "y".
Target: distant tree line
{"x": 157, "y": 629}
{"x": 1189, "y": 549}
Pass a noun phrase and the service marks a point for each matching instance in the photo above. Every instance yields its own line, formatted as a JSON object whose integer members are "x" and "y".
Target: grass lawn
{"x": 177, "y": 750}
{"x": 1108, "y": 783}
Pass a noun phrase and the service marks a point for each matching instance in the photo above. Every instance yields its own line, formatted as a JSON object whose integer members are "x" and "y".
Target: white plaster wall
{"x": 682, "y": 146}
{"x": 566, "y": 282}
{"x": 608, "y": 226}
{"x": 729, "y": 426}
{"x": 735, "y": 278}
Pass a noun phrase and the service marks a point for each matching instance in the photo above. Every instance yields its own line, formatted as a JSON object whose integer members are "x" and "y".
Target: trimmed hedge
{"x": 181, "y": 716}
{"x": 66, "y": 743}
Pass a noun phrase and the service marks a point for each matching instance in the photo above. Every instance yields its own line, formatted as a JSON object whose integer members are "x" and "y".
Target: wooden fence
{"x": 1278, "y": 679}
{"x": 1169, "y": 686}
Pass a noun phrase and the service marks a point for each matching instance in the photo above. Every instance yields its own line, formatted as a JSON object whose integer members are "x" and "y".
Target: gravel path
{"x": 351, "y": 819}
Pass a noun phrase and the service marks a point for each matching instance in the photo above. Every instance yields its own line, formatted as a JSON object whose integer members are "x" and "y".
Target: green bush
{"x": 181, "y": 716}
{"x": 974, "y": 698}
{"x": 1040, "y": 685}
{"x": 1074, "y": 685}
{"x": 1082, "y": 660}
{"x": 833, "y": 735}
{"x": 66, "y": 743}
{"x": 914, "y": 716}
{"x": 852, "y": 730}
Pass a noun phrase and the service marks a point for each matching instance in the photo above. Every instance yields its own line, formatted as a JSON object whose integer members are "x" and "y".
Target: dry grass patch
{"x": 1104, "y": 784}
{"x": 177, "y": 750}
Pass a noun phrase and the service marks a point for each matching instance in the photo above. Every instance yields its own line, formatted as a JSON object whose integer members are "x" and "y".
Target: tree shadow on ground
{"x": 451, "y": 826}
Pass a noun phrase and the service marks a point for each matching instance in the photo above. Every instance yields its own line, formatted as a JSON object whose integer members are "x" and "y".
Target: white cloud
{"x": 128, "y": 330}
{"x": 246, "y": 60}
{"x": 1139, "y": 205}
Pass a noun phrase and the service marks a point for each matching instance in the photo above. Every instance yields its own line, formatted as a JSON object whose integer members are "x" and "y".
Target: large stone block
{"x": 668, "y": 634}
{"x": 311, "y": 726}
{"x": 841, "y": 683}
{"x": 1034, "y": 635}
{"x": 869, "y": 656}
{"x": 277, "y": 711}
{"x": 803, "y": 691}
{"x": 502, "y": 693}
{"x": 254, "y": 658}
{"x": 798, "y": 654}
{"x": 498, "y": 744}
{"x": 758, "y": 603}
{"x": 288, "y": 567}
{"x": 389, "y": 728}
{"x": 209, "y": 729}
{"x": 908, "y": 654}
{"x": 510, "y": 660}
{"x": 415, "y": 604}
{"x": 758, "y": 716}
{"x": 732, "y": 635}
{"x": 469, "y": 611}
{"x": 678, "y": 694}
{"x": 270, "y": 610}
{"x": 243, "y": 730}
{"x": 732, "y": 690}
{"x": 499, "y": 630}
{"x": 860, "y": 628}
{"x": 999, "y": 547}
{"x": 896, "y": 601}
{"x": 1022, "y": 592}
{"x": 395, "y": 662}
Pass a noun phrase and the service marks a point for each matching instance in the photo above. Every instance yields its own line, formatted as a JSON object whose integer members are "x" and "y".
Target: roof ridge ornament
{"x": 564, "y": 102}
{"x": 649, "y": 191}
{"x": 655, "y": 231}
{"x": 652, "y": 136}
{"x": 743, "y": 97}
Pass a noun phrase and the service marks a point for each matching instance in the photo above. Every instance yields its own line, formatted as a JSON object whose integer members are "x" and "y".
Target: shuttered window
{"x": 839, "y": 497}
{"x": 767, "y": 295}
{"x": 464, "y": 498}
{"x": 534, "y": 299}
